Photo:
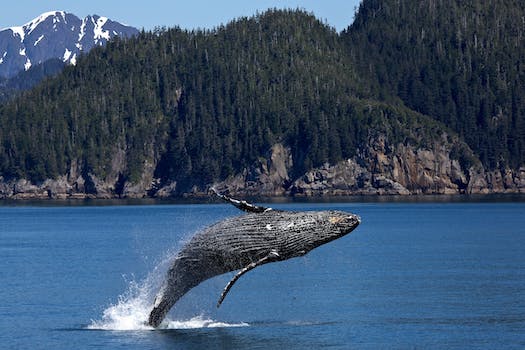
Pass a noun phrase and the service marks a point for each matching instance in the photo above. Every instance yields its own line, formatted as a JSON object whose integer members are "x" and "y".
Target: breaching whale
{"x": 260, "y": 236}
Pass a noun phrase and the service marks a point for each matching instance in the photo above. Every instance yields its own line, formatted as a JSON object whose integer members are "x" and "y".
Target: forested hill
{"x": 460, "y": 62}
{"x": 209, "y": 102}
{"x": 260, "y": 102}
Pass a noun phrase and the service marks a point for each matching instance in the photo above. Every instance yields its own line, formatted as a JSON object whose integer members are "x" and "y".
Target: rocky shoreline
{"x": 379, "y": 169}
{"x": 327, "y": 181}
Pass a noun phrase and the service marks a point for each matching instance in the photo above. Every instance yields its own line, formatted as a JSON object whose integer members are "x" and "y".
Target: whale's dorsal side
{"x": 242, "y": 205}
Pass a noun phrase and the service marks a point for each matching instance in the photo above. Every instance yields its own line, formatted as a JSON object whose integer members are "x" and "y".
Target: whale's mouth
{"x": 346, "y": 223}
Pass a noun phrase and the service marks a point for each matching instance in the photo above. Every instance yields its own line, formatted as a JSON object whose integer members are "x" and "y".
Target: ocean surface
{"x": 413, "y": 275}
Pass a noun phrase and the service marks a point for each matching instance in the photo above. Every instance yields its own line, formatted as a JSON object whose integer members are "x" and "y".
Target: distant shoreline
{"x": 201, "y": 200}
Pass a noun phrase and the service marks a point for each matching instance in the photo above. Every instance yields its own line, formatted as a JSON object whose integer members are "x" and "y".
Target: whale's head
{"x": 306, "y": 231}
{"x": 342, "y": 223}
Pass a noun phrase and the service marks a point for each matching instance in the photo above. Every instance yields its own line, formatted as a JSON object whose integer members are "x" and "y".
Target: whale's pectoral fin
{"x": 272, "y": 256}
{"x": 242, "y": 205}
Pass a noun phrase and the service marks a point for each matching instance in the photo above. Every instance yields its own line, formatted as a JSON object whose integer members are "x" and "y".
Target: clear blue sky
{"x": 184, "y": 13}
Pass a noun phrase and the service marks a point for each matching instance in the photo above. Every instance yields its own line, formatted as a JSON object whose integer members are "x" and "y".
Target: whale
{"x": 241, "y": 243}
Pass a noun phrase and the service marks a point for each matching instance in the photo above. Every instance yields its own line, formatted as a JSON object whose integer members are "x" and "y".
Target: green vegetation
{"x": 202, "y": 105}
{"x": 460, "y": 62}
{"x": 11, "y": 87}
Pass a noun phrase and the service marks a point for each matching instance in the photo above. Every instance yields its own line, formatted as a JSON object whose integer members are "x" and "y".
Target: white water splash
{"x": 130, "y": 313}
{"x": 200, "y": 322}
{"x": 132, "y": 310}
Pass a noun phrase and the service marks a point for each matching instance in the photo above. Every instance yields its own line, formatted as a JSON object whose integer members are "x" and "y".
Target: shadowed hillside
{"x": 170, "y": 112}
{"x": 460, "y": 62}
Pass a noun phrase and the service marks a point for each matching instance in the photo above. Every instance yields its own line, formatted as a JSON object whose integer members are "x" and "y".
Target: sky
{"x": 187, "y": 14}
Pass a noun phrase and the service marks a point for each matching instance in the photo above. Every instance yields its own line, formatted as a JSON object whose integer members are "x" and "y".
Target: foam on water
{"x": 129, "y": 313}
{"x": 200, "y": 322}
{"x": 132, "y": 310}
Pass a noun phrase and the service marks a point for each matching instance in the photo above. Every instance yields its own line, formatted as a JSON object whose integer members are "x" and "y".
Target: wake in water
{"x": 132, "y": 310}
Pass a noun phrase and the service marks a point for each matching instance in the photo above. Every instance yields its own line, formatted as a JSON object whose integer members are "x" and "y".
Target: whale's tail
{"x": 181, "y": 277}
{"x": 172, "y": 290}
{"x": 158, "y": 313}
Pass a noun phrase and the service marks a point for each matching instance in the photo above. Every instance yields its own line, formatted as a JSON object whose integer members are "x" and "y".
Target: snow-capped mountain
{"x": 55, "y": 34}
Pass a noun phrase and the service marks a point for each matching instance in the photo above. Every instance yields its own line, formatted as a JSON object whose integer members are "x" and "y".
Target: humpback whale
{"x": 260, "y": 236}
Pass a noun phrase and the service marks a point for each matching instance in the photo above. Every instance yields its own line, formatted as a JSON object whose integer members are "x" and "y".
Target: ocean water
{"x": 411, "y": 276}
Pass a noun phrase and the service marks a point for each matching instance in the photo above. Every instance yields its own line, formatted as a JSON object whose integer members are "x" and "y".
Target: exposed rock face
{"x": 166, "y": 191}
{"x": 269, "y": 176}
{"x": 378, "y": 169}
{"x": 80, "y": 184}
{"x": 145, "y": 183}
{"x": 344, "y": 178}
{"x": 385, "y": 169}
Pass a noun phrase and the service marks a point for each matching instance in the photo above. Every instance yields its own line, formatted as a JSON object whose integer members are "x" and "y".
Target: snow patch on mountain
{"x": 55, "y": 34}
{"x": 32, "y": 25}
{"x": 66, "y": 56}
{"x": 29, "y": 27}
{"x": 38, "y": 40}
{"x": 18, "y": 31}
{"x": 27, "y": 65}
{"x": 98, "y": 31}
{"x": 73, "y": 59}
{"x": 82, "y": 31}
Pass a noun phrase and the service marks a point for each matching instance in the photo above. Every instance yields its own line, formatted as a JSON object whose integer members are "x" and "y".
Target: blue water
{"x": 413, "y": 275}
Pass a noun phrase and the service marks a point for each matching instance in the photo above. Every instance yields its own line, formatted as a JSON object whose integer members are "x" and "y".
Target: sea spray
{"x": 130, "y": 312}
{"x": 199, "y": 322}
{"x": 132, "y": 309}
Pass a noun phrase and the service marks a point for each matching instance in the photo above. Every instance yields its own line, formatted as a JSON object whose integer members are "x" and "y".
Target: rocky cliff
{"x": 380, "y": 168}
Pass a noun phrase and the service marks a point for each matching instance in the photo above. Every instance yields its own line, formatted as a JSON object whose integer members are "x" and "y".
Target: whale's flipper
{"x": 272, "y": 256}
{"x": 242, "y": 205}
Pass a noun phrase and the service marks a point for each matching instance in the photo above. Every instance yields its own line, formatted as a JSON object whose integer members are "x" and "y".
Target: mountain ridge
{"x": 55, "y": 34}
{"x": 271, "y": 105}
